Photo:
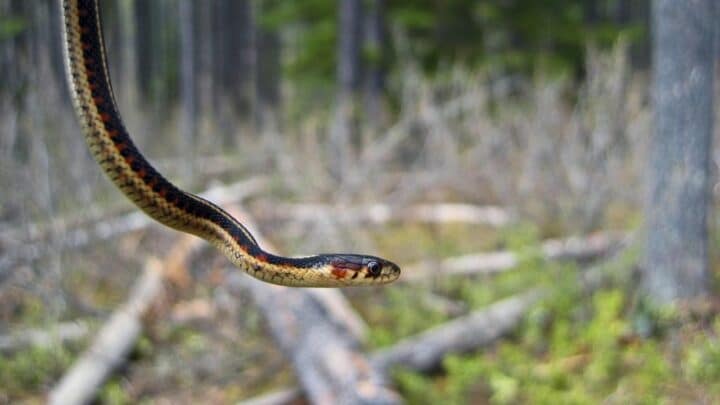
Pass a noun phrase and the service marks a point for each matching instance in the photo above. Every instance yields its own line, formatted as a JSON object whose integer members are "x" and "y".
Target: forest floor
{"x": 575, "y": 346}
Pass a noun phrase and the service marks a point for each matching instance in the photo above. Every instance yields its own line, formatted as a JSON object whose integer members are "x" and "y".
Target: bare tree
{"x": 676, "y": 261}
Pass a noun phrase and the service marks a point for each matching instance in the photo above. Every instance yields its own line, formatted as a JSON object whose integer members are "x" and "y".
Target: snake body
{"x": 114, "y": 150}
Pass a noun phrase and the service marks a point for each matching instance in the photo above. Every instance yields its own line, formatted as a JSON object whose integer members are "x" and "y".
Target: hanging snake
{"x": 110, "y": 144}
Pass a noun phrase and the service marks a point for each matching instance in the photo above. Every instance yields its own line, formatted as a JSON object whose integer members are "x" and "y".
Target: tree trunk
{"x": 376, "y": 38}
{"x": 233, "y": 54}
{"x": 350, "y": 34}
{"x": 344, "y": 132}
{"x": 268, "y": 71}
{"x": 640, "y": 50}
{"x": 241, "y": 58}
{"x": 591, "y": 12}
{"x": 187, "y": 86}
{"x": 203, "y": 17}
{"x": 676, "y": 261}
{"x": 143, "y": 46}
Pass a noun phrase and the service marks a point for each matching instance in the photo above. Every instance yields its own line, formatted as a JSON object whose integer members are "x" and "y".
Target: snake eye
{"x": 374, "y": 268}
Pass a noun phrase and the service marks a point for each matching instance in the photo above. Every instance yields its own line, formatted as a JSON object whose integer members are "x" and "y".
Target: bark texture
{"x": 676, "y": 262}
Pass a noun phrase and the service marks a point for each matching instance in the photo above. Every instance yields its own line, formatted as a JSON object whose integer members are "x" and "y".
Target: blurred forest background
{"x": 496, "y": 150}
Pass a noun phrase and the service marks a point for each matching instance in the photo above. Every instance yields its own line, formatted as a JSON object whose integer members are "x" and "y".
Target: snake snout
{"x": 390, "y": 271}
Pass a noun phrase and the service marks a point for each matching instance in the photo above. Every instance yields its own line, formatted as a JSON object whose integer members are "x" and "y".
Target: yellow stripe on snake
{"x": 110, "y": 144}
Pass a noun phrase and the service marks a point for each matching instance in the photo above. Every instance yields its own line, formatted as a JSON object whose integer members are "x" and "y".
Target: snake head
{"x": 362, "y": 269}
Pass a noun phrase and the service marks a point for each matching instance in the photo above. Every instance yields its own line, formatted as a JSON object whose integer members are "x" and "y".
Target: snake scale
{"x": 112, "y": 147}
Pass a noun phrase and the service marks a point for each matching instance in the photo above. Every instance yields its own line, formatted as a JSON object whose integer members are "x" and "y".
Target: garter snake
{"x": 110, "y": 144}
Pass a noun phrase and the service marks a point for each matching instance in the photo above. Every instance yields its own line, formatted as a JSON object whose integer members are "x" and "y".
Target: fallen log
{"x": 470, "y": 332}
{"x": 575, "y": 248}
{"x": 382, "y": 213}
{"x": 309, "y": 308}
{"x": 118, "y": 335}
{"x": 60, "y": 237}
{"x": 113, "y": 343}
{"x": 324, "y": 351}
{"x": 425, "y": 351}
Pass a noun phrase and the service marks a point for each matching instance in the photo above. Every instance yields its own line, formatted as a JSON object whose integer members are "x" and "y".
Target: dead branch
{"x": 290, "y": 312}
{"x": 324, "y": 351}
{"x": 382, "y": 213}
{"x": 575, "y": 248}
{"x": 59, "y": 236}
{"x": 113, "y": 343}
{"x": 426, "y": 350}
{"x": 480, "y": 328}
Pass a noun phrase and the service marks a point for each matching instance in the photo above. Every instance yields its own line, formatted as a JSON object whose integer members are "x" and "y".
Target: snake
{"x": 112, "y": 147}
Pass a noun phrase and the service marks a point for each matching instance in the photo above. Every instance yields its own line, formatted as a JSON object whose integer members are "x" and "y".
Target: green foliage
{"x": 517, "y": 36}
{"x": 314, "y": 27}
{"x": 558, "y": 357}
{"x": 114, "y": 394}
{"x": 575, "y": 347}
{"x": 411, "y": 316}
{"x": 702, "y": 359}
{"x": 32, "y": 370}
